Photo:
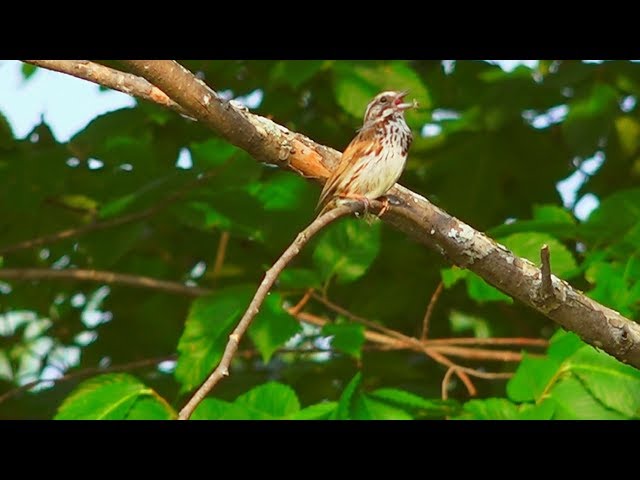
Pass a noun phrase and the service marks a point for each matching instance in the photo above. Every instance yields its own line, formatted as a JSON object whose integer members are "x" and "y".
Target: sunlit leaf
{"x": 346, "y": 249}
{"x": 106, "y": 397}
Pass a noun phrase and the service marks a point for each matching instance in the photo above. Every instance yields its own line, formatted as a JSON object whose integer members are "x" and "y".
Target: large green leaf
{"x": 106, "y": 397}
{"x": 612, "y": 383}
{"x": 271, "y": 400}
{"x": 357, "y": 84}
{"x": 151, "y": 408}
{"x": 206, "y": 333}
{"x": 346, "y": 337}
{"x": 590, "y": 118}
{"x": 295, "y": 72}
{"x": 615, "y": 217}
{"x": 344, "y": 409}
{"x": 272, "y": 327}
{"x": 319, "y": 411}
{"x": 215, "y": 409}
{"x": 347, "y": 249}
{"x": 528, "y": 245}
{"x": 573, "y": 401}
{"x": 533, "y": 378}
{"x": 367, "y": 408}
{"x": 489, "y": 409}
{"x": 420, "y": 407}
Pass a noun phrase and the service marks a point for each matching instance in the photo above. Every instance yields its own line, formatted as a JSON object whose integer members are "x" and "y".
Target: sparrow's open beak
{"x": 399, "y": 101}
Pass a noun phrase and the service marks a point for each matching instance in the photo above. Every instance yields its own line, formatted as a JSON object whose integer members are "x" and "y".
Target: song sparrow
{"x": 374, "y": 160}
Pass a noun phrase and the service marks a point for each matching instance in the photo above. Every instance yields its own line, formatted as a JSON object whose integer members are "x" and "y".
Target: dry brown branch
{"x": 222, "y": 370}
{"x": 429, "y": 312}
{"x": 100, "y": 276}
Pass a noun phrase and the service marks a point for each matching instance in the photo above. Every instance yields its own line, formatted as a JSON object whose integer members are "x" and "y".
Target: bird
{"x": 374, "y": 160}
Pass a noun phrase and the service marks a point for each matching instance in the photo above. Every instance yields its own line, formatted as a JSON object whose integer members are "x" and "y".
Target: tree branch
{"x": 222, "y": 370}
{"x": 137, "y": 281}
{"x": 429, "y": 312}
{"x": 112, "y": 222}
{"x": 415, "y": 216}
{"x": 111, "y": 78}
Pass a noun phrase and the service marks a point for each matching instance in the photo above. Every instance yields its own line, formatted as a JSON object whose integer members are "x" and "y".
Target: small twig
{"x": 525, "y": 342}
{"x": 113, "y": 222}
{"x": 295, "y": 310}
{"x": 429, "y": 312}
{"x": 220, "y": 254}
{"x": 222, "y": 370}
{"x": 87, "y": 372}
{"x": 112, "y": 78}
{"x": 356, "y": 318}
{"x": 461, "y": 372}
{"x": 101, "y": 277}
{"x": 445, "y": 382}
{"x": 545, "y": 272}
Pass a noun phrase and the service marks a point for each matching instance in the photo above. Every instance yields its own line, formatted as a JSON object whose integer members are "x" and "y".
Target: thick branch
{"x": 222, "y": 370}
{"x": 108, "y": 77}
{"x": 417, "y": 217}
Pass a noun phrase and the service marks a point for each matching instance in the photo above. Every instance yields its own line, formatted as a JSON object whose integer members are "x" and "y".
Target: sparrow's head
{"x": 385, "y": 104}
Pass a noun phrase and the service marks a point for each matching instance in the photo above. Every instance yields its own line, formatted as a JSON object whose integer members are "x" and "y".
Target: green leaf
{"x": 477, "y": 288}
{"x": 117, "y": 206}
{"x": 528, "y": 245}
{"x": 28, "y": 70}
{"x": 212, "y": 152}
{"x": 489, "y": 409}
{"x": 215, "y": 409}
{"x": 347, "y": 249}
{"x": 481, "y": 291}
{"x": 343, "y": 412}
{"x": 461, "y": 322}
{"x": 270, "y": 401}
{"x": 574, "y": 402}
{"x": 357, "y": 83}
{"x": 615, "y": 285}
{"x": 78, "y": 202}
{"x": 553, "y": 213}
{"x": 614, "y": 384}
{"x": 563, "y": 344}
{"x": 421, "y": 407}
{"x": 366, "y": 408}
{"x": 282, "y": 191}
{"x": 295, "y": 72}
{"x": 347, "y": 337}
{"x": 106, "y": 397}
{"x": 616, "y": 215}
{"x": 532, "y": 378}
{"x": 299, "y": 278}
{"x": 541, "y": 411}
{"x": 151, "y": 408}
{"x": 206, "y": 333}
{"x": 319, "y": 411}
{"x": 590, "y": 118}
{"x": 272, "y": 327}
{"x": 451, "y": 276}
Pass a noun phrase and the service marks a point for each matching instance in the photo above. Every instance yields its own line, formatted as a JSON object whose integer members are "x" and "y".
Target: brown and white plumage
{"x": 374, "y": 160}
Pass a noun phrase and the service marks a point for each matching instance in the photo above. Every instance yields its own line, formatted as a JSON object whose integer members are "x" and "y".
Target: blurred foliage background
{"x": 549, "y": 154}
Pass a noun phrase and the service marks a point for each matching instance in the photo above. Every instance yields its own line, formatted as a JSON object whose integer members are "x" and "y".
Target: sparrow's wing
{"x": 347, "y": 169}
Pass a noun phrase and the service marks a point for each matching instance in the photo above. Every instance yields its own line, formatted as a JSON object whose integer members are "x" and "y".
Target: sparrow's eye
{"x": 383, "y": 100}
